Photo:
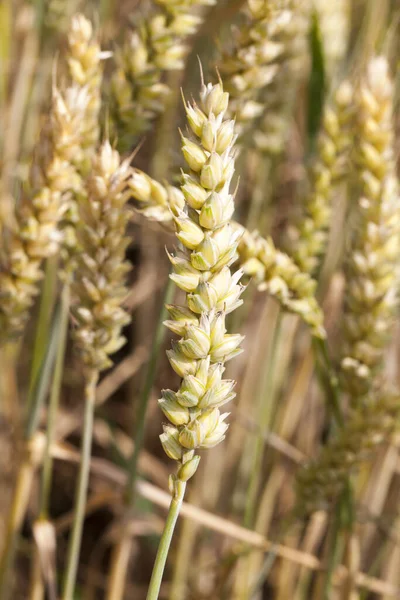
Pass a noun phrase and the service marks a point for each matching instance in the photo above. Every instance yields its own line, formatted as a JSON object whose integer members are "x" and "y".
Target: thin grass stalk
{"x": 165, "y": 542}
{"x": 45, "y": 310}
{"x": 33, "y": 443}
{"x": 5, "y": 53}
{"x": 121, "y": 552}
{"x": 53, "y": 405}
{"x": 328, "y": 379}
{"x": 37, "y": 589}
{"x": 81, "y": 493}
{"x": 187, "y": 539}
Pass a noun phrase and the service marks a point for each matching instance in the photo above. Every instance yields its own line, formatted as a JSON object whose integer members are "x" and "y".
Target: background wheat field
{"x": 182, "y": 183}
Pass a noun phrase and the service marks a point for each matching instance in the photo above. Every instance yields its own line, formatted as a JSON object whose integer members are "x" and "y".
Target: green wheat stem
{"x": 328, "y": 379}
{"x": 343, "y": 520}
{"x": 41, "y": 335}
{"x": 81, "y": 492}
{"x": 42, "y": 381}
{"x": 53, "y": 404}
{"x": 165, "y": 542}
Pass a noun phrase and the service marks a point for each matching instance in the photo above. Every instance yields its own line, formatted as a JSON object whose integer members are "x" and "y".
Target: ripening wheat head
{"x": 372, "y": 273}
{"x": 99, "y": 286}
{"x": 201, "y": 267}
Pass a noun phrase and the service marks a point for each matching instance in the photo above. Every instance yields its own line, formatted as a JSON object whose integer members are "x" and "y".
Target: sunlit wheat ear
{"x": 277, "y": 273}
{"x": 156, "y": 46}
{"x": 35, "y": 234}
{"x": 320, "y": 481}
{"x": 310, "y": 236}
{"x": 85, "y": 69}
{"x": 201, "y": 268}
{"x": 372, "y": 272}
{"x": 99, "y": 287}
{"x": 260, "y": 50}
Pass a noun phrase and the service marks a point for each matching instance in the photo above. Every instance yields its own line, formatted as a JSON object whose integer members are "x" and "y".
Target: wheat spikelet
{"x": 201, "y": 269}
{"x": 99, "y": 287}
{"x": 156, "y": 46}
{"x": 309, "y": 239}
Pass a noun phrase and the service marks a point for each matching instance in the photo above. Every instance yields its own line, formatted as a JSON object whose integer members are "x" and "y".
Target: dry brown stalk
{"x": 223, "y": 526}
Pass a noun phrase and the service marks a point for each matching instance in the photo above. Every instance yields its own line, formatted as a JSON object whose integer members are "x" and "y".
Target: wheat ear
{"x": 371, "y": 271}
{"x": 157, "y": 45}
{"x": 370, "y": 295}
{"x": 257, "y": 56}
{"x": 35, "y": 234}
